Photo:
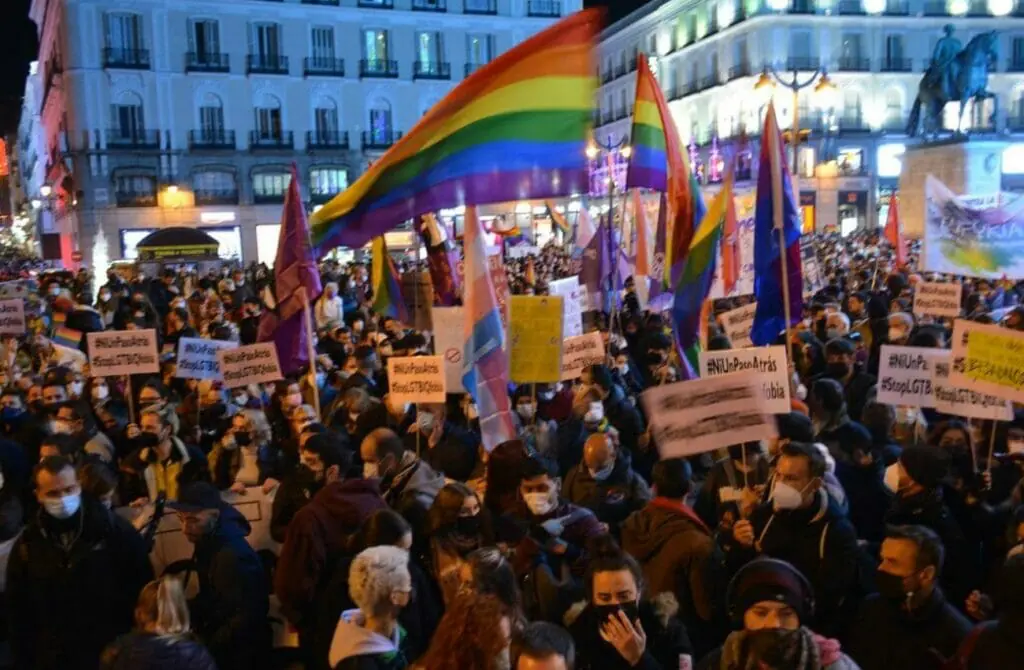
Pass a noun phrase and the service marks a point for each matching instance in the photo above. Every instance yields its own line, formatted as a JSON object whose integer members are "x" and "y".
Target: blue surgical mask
{"x": 604, "y": 473}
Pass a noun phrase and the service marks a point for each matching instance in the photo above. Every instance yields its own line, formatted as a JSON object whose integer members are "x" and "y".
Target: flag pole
{"x": 777, "y": 167}
{"x": 308, "y": 322}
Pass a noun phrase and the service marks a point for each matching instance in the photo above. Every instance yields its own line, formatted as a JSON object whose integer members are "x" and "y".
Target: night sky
{"x": 18, "y": 47}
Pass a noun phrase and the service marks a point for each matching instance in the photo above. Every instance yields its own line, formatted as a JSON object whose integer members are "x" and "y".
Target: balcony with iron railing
{"x": 220, "y": 196}
{"x": 326, "y": 139}
{"x": 376, "y": 4}
{"x": 1015, "y": 64}
{"x": 133, "y": 138}
{"x": 607, "y": 75}
{"x": 485, "y": 7}
{"x": 470, "y": 68}
{"x": 851, "y": 8}
{"x": 853, "y": 124}
{"x": 632, "y": 64}
{"x": 126, "y": 59}
{"x": 331, "y": 3}
{"x": 267, "y": 64}
{"x": 620, "y": 70}
{"x": 707, "y": 82}
{"x": 271, "y": 141}
{"x": 379, "y": 140}
{"x": 805, "y": 63}
{"x": 1015, "y": 122}
{"x": 211, "y": 139}
{"x": 896, "y": 65}
{"x": 270, "y": 197}
{"x": 802, "y": 7}
{"x": 854, "y": 64}
{"x": 133, "y": 198}
{"x": 897, "y": 8}
{"x": 543, "y": 8}
{"x": 435, "y": 70}
{"x": 936, "y": 8}
{"x": 683, "y": 90}
{"x": 740, "y": 70}
{"x": 429, "y": 6}
{"x": 378, "y": 68}
{"x": 204, "y": 61}
{"x": 318, "y": 66}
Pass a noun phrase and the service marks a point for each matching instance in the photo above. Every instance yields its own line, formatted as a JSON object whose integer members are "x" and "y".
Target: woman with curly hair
{"x": 458, "y": 525}
{"x": 474, "y": 634}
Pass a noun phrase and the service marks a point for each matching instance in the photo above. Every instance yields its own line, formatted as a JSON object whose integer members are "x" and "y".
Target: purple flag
{"x": 659, "y": 299}
{"x": 294, "y": 269}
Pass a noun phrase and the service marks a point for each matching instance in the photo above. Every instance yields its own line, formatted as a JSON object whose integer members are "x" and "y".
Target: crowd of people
{"x": 863, "y": 536}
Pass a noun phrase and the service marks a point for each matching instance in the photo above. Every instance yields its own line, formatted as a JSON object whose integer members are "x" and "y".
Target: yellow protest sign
{"x": 988, "y": 359}
{"x": 535, "y": 338}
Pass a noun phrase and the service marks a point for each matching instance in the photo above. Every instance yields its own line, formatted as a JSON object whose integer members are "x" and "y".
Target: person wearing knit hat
{"x": 916, "y": 480}
{"x": 770, "y": 603}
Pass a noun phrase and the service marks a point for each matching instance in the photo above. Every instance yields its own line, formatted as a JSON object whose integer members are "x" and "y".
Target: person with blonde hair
{"x": 162, "y": 638}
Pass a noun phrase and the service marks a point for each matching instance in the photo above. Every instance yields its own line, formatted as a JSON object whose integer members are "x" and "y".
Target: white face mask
{"x": 76, "y": 388}
{"x": 892, "y": 477}
{"x": 896, "y": 334}
{"x": 370, "y": 470}
{"x": 604, "y": 473}
{"x": 526, "y": 411}
{"x": 100, "y": 393}
{"x": 624, "y": 369}
{"x": 539, "y": 503}
{"x": 60, "y": 427}
{"x": 63, "y": 507}
{"x": 785, "y": 497}
{"x": 595, "y": 413}
{"x": 242, "y": 400}
{"x": 426, "y": 422}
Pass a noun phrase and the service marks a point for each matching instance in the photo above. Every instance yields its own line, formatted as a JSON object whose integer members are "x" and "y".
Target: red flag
{"x": 643, "y": 254}
{"x": 730, "y": 249}
{"x": 893, "y": 234}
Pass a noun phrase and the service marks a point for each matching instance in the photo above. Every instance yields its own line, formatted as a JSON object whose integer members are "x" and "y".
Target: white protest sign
{"x": 905, "y": 375}
{"x": 937, "y": 299}
{"x": 449, "y": 342}
{"x": 574, "y": 303}
{"x": 253, "y": 364}
{"x": 114, "y": 353}
{"x": 964, "y": 402}
{"x": 701, "y": 415}
{"x": 522, "y": 251}
{"x": 197, "y": 358}
{"x": 768, "y": 362}
{"x": 737, "y": 324}
{"x": 12, "y": 317}
{"x": 416, "y": 379}
{"x": 579, "y": 352}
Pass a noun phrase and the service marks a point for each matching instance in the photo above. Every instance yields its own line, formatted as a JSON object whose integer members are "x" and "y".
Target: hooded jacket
{"x": 412, "y": 491}
{"x": 612, "y": 499}
{"x": 316, "y": 540}
{"x": 356, "y": 648}
{"x": 674, "y": 547}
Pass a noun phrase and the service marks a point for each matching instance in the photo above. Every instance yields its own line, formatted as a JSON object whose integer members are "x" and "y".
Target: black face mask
{"x": 243, "y": 438}
{"x": 468, "y": 526}
{"x": 37, "y": 407}
{"x": 837, "y": 370}
{"x": 214, "y": 412}
{"x": 890, "y": 587}
{"x": 602, "y": 612}
{"x": 147, "y": 440}
{"x": 308, "y": 479}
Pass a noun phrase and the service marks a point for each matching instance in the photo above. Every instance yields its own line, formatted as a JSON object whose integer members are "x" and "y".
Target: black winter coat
{"x": 885, "y": 636}
{"x": 72, "y": 603}
{"x": 868, "y": 497}
{"x": 666, "y": 640}
{"x": 156, "y": 652}
{"x": 999, "y": 644}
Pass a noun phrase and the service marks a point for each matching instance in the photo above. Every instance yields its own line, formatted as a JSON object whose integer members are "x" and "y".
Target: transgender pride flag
{"x": 485, "y": 363}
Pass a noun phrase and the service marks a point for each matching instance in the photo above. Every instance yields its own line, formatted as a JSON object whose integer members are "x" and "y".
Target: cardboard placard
{"x": 197, "y": 358}
{"x": 905, "y": 375}
{"x": 253, "y": 364}
{"x": 535, "y": 338}
{"x": 574, "y": 303}
{"x": 581, "y": 352}
{"x": 114, "y": 353}
{"x": 937, "y": 299}
{"x": 988, "y": 359}
{"x": 522, "y": 251}
{"x": 737, "y": 324}
{"x": 449, "y": 344}
{"x": 415, "y": 379}
{"x": 701, "y": 415}
{"x": 768, "y": 362}
{"x": 964, "y": 402}
{"x": 12, "y": 317}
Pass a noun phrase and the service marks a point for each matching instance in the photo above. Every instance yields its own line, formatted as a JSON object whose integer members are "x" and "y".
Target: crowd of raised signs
{"x": 156, "y": 518}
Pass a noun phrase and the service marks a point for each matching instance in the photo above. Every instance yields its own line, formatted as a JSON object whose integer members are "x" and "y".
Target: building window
{"x": 893, "y": 48}
{"x": 1017, "y": 52}
{"x": 375, "y": 45}
{"x": 211, "y": 118}
{"x": 327, "y": 182}
{"x": 135, "y": 190}
{"x": 128, "y": 120}
{"x": 204, "y": 38}
{"x": 851, "y": 46}
{"x": 322, "y": 43}
{"x": 429, "y": 48}
{"x": 266, "y": 42}
{"x": 215, "y": 187}
{"x": 325, "y": 120}
{"x": 480, "y": 49}
{"x": 270, "y": 186}
{"x": 380, "y": 124}
{"x": 268, "y": 121}
{"x": 893, "y": 110}
{"x": 123, "y": 32}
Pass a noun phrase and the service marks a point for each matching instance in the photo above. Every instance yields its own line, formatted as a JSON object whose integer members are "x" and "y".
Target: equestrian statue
{"x": 955, "y": 74}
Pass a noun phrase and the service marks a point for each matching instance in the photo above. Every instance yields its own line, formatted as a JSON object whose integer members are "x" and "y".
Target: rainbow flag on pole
{"x": 516, "y": 129}
{"x": 657, "y": 161}
{"x": 485, "y": 363}
{"x": 67, "y": 337}
{"x": 387, "y": 295}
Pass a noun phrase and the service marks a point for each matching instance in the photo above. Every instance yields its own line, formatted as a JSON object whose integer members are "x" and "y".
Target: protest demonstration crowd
{"x": 498, "y": 456}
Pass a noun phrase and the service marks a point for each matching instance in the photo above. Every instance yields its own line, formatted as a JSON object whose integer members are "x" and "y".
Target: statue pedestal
{"x": 966, "y": 167}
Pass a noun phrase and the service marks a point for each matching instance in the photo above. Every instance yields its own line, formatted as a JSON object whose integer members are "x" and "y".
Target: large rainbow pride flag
{"x": 515, "y": 129}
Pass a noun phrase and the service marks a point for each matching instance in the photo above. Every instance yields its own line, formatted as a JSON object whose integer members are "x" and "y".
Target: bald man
{"x": 605, "y": 483}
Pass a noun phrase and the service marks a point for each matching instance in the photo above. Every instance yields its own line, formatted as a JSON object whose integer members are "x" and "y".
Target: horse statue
{"x": 963, "y": 77}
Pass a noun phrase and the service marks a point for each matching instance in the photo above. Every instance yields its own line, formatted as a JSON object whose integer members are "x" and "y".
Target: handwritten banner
{"x": 581, "y": 352}
{"x": 964, "y": 402}
{"x": 12, "y": 317}
{"x": 197, "y": 358}
{"x": 574, "y": 303}
{"x": 737, "y": 324}
{"x": 114, "y": 353}
{"x": 905, "y": 375}
{"x": 416, "y": 379}
{"x": 988, "y": 359}
{"x": 937, "y": 299}
{"x": 701, "y": 415}
{"x": 253, "y": 364}
{"x": 522, "y": 251}
{"x": 535, "y": 339}
{"x": 768, "y": 362}
{"x": 449, "y": 342}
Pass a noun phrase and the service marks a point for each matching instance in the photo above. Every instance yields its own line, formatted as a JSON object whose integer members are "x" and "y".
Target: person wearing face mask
{"x": 102, "y": 561}
{"x": 316, "y": 453}
{"x": 368, "y": 373}
{"x": 857, "y": 384}
{"x": 241, "y": 458}
{"x": 624, "y": 371}
{"x": 71, "y": 420}
{"x": 162, "y": 461}
{"x": 457, "y": 525}
{"x": 743, "y": 471}
{"x": 370, "y": 637}
{"x": 106, "y": 305}
{"x": 623, "y": 417}
{"x": 803, "y": 526}
{"x": 617, "y": 627}
{"x": 605, "y": 483}
{"x": 554, "y": 402}
{"x": 586, "y": 419}
{"x": 320, "y": 531}
{"x": 900, "y": 326}
{"x": 837, "y": 325}
{"x": 444, "y": 446}
{"x": 908, "y": 623}
{"x": 916, "y": 480}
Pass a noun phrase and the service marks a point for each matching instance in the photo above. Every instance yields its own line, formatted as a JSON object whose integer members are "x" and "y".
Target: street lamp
{"x": 770, "y": 77}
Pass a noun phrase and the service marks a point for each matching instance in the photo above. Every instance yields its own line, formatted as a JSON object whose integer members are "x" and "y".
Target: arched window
{"x": 268, "y": 120}
{"x": 213, "y": 186}
{"x": 325, "y": 120}
{"x": 381, "y": 129}
{"x": 211, "y": 121}
{"x": 128, "y": 124}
